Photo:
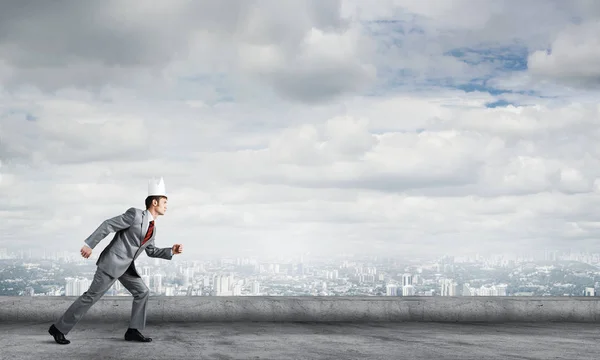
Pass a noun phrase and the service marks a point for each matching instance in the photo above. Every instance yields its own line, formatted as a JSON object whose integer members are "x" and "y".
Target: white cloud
{"x": 321, "y": 66}
{"x": 303, "y": 49}
{"x": 574, "y": 56}
{"x": 363, "y": 158}
{"x": 332, "y": 177}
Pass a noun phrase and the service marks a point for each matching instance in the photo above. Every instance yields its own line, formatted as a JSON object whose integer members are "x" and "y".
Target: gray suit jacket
{"x": 130, "y": 229}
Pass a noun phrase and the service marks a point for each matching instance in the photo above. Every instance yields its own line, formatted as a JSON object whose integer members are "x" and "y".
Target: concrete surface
{"x": 317, "y": 309}
{"x": 243, "y": 340}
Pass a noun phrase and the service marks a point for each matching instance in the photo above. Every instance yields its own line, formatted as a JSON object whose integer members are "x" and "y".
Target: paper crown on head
{"x": 156, "y": 188}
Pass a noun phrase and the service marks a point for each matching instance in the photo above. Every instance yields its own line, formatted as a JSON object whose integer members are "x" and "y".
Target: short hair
{"x": 153, "y": 197}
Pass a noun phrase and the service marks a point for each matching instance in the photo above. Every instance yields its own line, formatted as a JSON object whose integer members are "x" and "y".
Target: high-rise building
{"x": 188, "y": 276}
{"x": 467, "y": 291}
{"x": 448, "y": 287}
{"x": 157, "y": 283}
{"x": 301, "y": 269}
{"x": 146, "y": 270}
{"x": 391, "y": 290}
{"x": 255, "y": 288}
{"x": 146, "y": 279}
{"x": 76, "y": 286}
{"x": 500, "y": 289}
{"x": 407, "y": 279}
{"x": 237, "y": 289}
{"x": 485, "y": 291}
{"x": 408, "y": 290}
{"x": 223, "y": 285}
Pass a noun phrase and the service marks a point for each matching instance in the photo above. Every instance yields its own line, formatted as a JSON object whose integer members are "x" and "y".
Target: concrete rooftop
{"x": 310, "y": 328}
{"x": 263, "y": 340}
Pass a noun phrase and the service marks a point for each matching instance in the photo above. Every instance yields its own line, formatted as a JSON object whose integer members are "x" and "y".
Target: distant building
{"x": 467, "y": 290}
{"x": 157, "y": 283}
{"x": 223, "y": 285}
{"x": 407, "y": 279}
{"x": 408, "y": 290}
{"x": 392, "y": 290}
{"x": 76, "y": 286}
{"x": 146, "y": 279}
{"x": 255, "y": 288}
{"x": 448, "y": 287}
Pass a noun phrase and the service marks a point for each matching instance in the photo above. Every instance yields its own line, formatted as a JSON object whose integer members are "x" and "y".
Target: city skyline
{"x": 547, "y": 273}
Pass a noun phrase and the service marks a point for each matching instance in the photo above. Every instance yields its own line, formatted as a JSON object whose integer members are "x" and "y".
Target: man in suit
{"x": 135, "y": 232}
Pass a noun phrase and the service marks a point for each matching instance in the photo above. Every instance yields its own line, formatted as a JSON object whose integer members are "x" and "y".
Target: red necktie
{"x": 149, "y": 233}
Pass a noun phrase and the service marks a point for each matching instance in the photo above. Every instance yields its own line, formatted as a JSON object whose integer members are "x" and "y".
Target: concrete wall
{"x": 315, "y": 309}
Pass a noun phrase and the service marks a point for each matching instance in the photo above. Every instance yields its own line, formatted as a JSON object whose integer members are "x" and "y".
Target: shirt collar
{"x": 150, "y": 217}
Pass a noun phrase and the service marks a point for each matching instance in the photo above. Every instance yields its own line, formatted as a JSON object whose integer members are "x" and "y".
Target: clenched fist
{"x": 86, "y": 251}
{"x": 177, "y": 249}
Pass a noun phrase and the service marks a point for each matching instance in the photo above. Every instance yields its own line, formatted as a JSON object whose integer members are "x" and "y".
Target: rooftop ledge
{"x": 493, "y": 309}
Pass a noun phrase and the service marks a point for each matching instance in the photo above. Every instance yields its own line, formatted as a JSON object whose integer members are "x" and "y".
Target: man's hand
{"x": 177, "y": 249}
{"x": 86, "y": 251}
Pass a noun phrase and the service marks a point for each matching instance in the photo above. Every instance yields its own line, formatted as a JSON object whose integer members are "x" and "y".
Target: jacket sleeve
{"x": 108, "y": 226}
{"x": 163, "y": 253}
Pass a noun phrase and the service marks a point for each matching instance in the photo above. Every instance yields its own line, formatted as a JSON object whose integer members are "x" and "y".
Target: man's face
{"x": 161, "y": 208}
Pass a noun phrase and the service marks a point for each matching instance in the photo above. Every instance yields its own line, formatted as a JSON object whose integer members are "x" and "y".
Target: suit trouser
{"x": 100, "y": 285}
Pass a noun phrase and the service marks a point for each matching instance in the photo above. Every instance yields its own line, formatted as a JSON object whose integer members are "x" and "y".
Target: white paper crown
{"x": 155, "y": 189}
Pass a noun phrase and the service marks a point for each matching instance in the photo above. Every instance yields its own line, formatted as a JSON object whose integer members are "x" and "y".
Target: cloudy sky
{"x": 394, "y": 126}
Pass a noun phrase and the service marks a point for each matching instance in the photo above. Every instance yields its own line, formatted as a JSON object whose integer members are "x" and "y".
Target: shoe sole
{"x": 136, "y": 340}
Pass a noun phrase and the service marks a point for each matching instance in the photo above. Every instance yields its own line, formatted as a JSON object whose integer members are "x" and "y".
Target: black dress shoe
{"x": 135, "y": 335}
{"x": 58, "y": 336}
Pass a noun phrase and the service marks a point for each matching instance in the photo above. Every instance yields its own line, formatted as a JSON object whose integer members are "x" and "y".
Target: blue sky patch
{"x": 473, "y": 87}
{"x": 499, "y": 103}
{"x": 506, "y": 58}
{"x": 404, "y": 38}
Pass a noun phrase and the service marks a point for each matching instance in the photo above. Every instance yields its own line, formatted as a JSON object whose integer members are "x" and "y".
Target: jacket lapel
{"x": 145, "y": 224}
{"x": 144, "y": 229}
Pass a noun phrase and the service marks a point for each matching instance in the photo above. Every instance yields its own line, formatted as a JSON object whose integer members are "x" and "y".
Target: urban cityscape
{"x": 545, "y": 273}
